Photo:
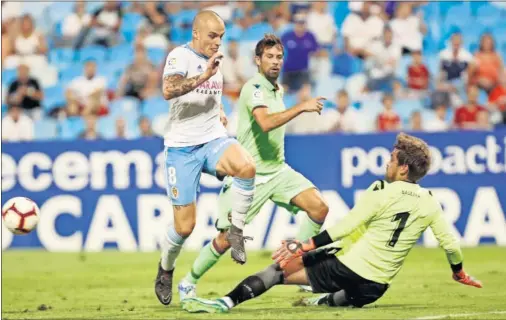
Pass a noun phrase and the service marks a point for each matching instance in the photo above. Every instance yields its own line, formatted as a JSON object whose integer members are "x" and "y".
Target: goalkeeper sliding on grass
{"x": 395, "y": 213}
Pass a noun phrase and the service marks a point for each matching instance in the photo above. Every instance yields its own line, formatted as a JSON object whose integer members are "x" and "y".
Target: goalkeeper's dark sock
{"x": 253, "y": 286}
{"x": 337, "y": 299}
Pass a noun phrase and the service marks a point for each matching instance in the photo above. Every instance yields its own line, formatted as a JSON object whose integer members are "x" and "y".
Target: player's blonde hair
{"x": 414, "y": 153}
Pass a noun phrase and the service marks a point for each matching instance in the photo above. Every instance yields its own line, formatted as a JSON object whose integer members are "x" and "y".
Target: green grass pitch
{"x": 114, "y": 285}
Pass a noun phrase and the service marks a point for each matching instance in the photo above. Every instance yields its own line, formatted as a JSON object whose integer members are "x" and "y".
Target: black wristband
{"x": 456, "y": 268}
{"x": 322, "y": 239}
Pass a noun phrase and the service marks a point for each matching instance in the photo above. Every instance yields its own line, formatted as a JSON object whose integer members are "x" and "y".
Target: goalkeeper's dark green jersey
{"x": 394, "y": 216}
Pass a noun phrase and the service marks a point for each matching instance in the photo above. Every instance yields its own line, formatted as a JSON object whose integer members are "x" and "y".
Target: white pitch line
{"x": 459, "y": 315}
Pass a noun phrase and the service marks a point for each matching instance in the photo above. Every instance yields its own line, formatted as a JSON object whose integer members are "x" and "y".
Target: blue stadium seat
{"x": 340, "y": 11}
{"x": 345, "y": 65}
{"x": 154, "y": 107}
{"x": 290, "y": 100}
{"x": 45, "y": 129}
{"x": 92, "y": 6}
{"x": 73, "y": 71}
{"x": 54, "y": 97}
{"x": 228, "y": 105}
{"x": 156, "y": 55}
{"x": 106, "y": 126}
{"x": 8, "y": 76}
{"x": 71, "y": 128}
{"x": 328, "y": 88}
{"x": 488, "y": 15}
{"x": 183, "y": 18}
{"x": 121, "y": 54}
{"x": 58, "y": 10}
{"x": 445, "y": 7}
{"x": 405, "y": 107}
{"x": 97, "y": 53}
{"x": 62, "y": 57}
{"x": 125, "y": 105}
{"x": 131, "y": 21}
{"x": 458, "y": 16}
{"x": 255, "y": 31}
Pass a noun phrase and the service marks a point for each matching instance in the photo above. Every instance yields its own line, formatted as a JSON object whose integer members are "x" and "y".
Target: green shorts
{"x": 281, "y": 189}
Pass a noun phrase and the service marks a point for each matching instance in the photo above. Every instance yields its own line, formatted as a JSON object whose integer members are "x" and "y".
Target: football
{"x": 20, "y": 215}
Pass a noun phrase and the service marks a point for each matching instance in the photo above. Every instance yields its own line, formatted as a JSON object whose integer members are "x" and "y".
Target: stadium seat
{"x": 330, "y": 87}
{"x": 289, "y": 100}
{"x": 96, "y": 53}
{"x": 73, "y": 71}
{"x": 355, "y": 84}
{"x": 257, "y": 30}
{"x": 71, "y": 128}
{"x": 54, "y": 97}
{"x": 154, "y": 107}
{"x": 156, "y": 56}
{"x": 45, "y": 129}
{"x": 228, "y": 105}
{"x": 92, "y": 6}
{"x": 125, "y": 105}
{"x": 106, "y": 126}
{"x": 58, "y": 10}
{"x": 405, "y": 107}
{"x": 121, "y": 54}
{"x": 8, "y": 76}
{"x": 62, "y": 57}
{"x": 488, "y": 15}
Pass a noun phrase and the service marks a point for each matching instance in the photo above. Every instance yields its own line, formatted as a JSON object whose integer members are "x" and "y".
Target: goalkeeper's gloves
{"x": 464, "y": 278}
{"x": 290, "y": 250}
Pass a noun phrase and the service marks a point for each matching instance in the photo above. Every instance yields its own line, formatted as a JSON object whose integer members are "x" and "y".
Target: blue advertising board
{"x": 111, "y": 194}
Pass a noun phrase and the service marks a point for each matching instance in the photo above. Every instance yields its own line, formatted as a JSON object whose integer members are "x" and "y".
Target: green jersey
{"x": 266, "y": 148}
{"x": 394, "y": 216}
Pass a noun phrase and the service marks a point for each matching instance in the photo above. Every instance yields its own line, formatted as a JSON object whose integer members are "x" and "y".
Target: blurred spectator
{"x": 488, "y": 64}
{"x": 145, "y": 127}
{"x": 25, "y": 92}
{"x": 106, "y": 22}
{"x": 360, "y": 29}
{"x": 439, "y": 122}
{"x": 74, "y": 23}
{"x": 299, "y": 44}
{"x": 497, "y": 96}
{"x": 232, "y": 68}
{"x": 466, "y": 117}
{"x": 321, "y": 23}
{"x": 388, "y": 119}
{"x": 440, "y": 96}
{"x": 121, "y": 129}
{"x": 246, "y": 15}
{"x": 90, "y": 131}
{"x": 222, "y": 8}
{"x": 483, "y": 120}
{"x": 88, "y": 91}
{"x": 418, "y": 74}
{"x": 28, "y": 47}
{"x": 136, "y": 76}
{"x": 382, "y": 64}
{"x": 136, "y": 7}
{"x": 343, "y": 118}
{"x": 7, "y": 48}
{"x": 454, "y": 62}
{"x": 415, "y": 121}
{"x": 156, "y": 19}
{"x": 11, "y": 10}
{"x": 408, "y": 29}
{"x": 16, "y": 126}
{"x": 308, "y": 122}
{"x": 278, "y": 22}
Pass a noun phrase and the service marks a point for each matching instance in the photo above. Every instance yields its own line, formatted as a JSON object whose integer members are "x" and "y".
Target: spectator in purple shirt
{"x": 299, "y": 44}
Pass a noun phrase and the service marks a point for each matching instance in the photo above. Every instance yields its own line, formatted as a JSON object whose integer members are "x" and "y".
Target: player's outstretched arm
{"x": 449, "y": 242}
{"x": 270, "y": 121}
{"x": 176, "y": 85}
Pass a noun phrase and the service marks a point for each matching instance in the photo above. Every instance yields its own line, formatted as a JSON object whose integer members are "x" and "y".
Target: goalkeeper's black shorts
{"x": 327, "y": 274}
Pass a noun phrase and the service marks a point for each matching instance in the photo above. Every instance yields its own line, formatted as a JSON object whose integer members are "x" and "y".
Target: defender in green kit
{"x": 394, "y": 213}
{"x": 261, "y": 131}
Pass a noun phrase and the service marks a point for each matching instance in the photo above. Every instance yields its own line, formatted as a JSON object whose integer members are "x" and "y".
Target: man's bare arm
{"x": 177, "y": 85}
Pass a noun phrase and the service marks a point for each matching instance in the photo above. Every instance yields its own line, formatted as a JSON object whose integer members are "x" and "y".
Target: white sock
{"x": 230, "y": 304}
{"x": 242, "y": 195}
{"x": 171, "y": 247}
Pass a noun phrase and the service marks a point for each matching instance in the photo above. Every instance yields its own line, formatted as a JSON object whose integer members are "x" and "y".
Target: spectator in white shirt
{"x": 344, "y": 118}
{"x": 360, "y": 29}
{"x": 75, "y": 22}
{"x": 17, "y": 126}
{"x": 232, "y": 69}
{"x": 321, "y": 23}
{"x": 381, "y": 65}
{"x": 408, "y": 29}
{"x": 106, "y": 22}
{"x": 438, "y": 123}
{"x": 88, "y": 92}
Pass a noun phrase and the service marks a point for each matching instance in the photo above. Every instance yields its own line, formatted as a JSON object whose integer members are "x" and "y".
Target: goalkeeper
{"x": 395, "y": 213}
{"x": 261, "y": 131}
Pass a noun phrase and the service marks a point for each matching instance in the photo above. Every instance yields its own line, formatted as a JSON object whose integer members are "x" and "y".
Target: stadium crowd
{"x": 93, "y": 70}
